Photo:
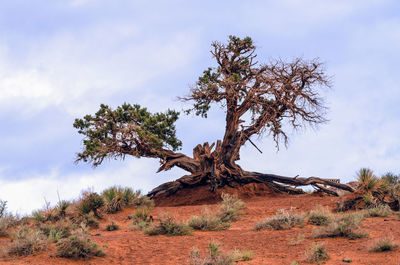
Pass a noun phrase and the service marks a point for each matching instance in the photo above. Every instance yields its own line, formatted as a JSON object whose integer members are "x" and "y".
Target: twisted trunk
{"x": 217, "y": 168}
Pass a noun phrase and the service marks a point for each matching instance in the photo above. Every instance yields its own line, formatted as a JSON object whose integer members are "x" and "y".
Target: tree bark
{"x": 217, "y": 169}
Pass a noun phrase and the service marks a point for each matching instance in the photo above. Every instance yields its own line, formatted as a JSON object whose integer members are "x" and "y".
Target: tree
{"x": 257, "y": 98}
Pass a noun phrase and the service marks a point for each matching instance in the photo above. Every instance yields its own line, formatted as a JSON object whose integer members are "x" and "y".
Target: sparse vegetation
{"x": 77, "y": 246}
{"x": 112, "y": 227}
{"x": 141, "y": 219}
{"x": 230, "y": 209}
{"x": 26, "y": 242}
{"x": 168, "y": 226}
{"x": 217, "y": 257}
{"x": 207, "y": 221}
{"x": 298, "y": 240}
{"x": 3, "y": 208}
{"x": 385, "y": 244}
{"x": 6, "y": 222}
{"x": 343, "y": 226}
{"x": 90, "y": 202}
{"x": 56, "y": 232}
{"x": 319, "y": 216}
{"x": 282, "y": 220}
{"x": 378, "y": 211}
{"x": 317, "y": 254}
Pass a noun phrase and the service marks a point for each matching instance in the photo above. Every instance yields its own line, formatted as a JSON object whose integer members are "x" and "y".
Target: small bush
{"x": 168, "y": 226}
{"x": 298, "y": 240}
{"x": 117, "y": 198}
{"x": 317, "y": 254}
{"x": 385, "y": 244}
{"x": 26, "y": 242}
{"x": 141, "y": 218}
{"x": 38, "y": 216}
{"x": 62, "y": 208}
{"x": 143, "y": 201}
{"x": 368, "y": 181}
{"x": 230, "y": 209}
{"x": 112, "y": 227}
{"x": 378, "y": 211}
{"x": 6, "y": 222}
{"x": 343, "y": 226}
{"x": 90, "y": 202}
{"x": 56, "y": 232}
{"x": 217, "y": 257}
{"x": 77, "y": 246}
{"x": 319, "y": 216}
{"x": 282, "y": 220}
{"x": 207, "y": 221}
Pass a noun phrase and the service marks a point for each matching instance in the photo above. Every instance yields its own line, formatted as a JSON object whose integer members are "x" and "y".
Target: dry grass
{"x": 282, "y": 220}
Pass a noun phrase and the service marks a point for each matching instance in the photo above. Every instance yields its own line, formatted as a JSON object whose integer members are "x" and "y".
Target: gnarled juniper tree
{"x": 257, "y": 98}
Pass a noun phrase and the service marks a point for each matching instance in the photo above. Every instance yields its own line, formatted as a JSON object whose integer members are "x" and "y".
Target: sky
{"x": 60, "y": 59}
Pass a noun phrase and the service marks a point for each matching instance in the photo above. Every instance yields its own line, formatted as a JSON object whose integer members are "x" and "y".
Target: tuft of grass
{"x": 217, "y": 257}
{"x": 343, "y": 226}
{"x": 317, "y": 254}
{"x": 25, "y": 242}
{"x": 77, "y": 246}
{"x": 368, "y": 181}
{"x": 56, "y": 232}
{"x": 90, "y": 202}
{"x": 319, "y": 216}
{"x": 141, "y": 218}
{"x": 207, "y": 221}
{"x": 298, "y": 240}
{"x": 38, "y": 216}
{"x": 230, "y": 209}
{"x": 385, "y": 244}
{"x": 112, "y": 227}
{"x": 62, "y": 207}
{"x": 282, "y": 220}
{"x": 168, "y": 226}
{"x": 378, "y": 211}
{"x": 7, "y": 221}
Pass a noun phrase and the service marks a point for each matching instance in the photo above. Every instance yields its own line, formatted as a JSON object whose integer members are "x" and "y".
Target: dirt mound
{"x": 203, "y": 195}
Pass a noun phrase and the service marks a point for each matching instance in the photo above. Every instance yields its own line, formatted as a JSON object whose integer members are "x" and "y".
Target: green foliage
{"x": 317, "y": 254}
{"x": 77, "y": 246}
{"x": 319, "y": 216}
{"x": 207, "y": 221}
{"x": 391, "y": 178}
{"x": 230, "y": 209}
{"x": 61, "y": 208}
{"x": 385, "y": 244}
{"x": 117, "y": 198}
{"x": 56, "y": 232}
{"x": 368, "y": 181}
{"x": 129, "y": 129}
{"x": 282, "y": 220}
{"x": 343, "y": 226}
{"x": 378, "y": 211}
{"x": 38, "y": 216}
{"x": 168, "y": 226}
{"x": 141, "y": 218}
{"x": 90, "y": 202}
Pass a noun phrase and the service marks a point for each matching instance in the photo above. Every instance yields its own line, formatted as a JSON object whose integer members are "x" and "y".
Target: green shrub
{"x": 141, "y": 218}
{"x": 207, "y": 221}
{"x": 38, "y": 216}
{"x": 168, "y": 226}
{"x": 368, "y": 181}
{"x": 242, "y": 255}
{"x": 319, "y": 216}
{"x": 144, "y": 201}
{"x": 385, "y": 244}
{"x": 26, "y": 242}
{"x": 378, "y": 211}
{"x": 343, "y": 226}
{"x": 112, "y": 227}
{"x": 230, "y": 209}
{"x": 61, "y": 208}
{"x": 77, "y": 246}
{"x": 317, "y": 254}
{"x": 282, "y": 220}
{"x": 90, "y": 202}
{"x": 56, "y": 232}
{"x": 117, "y": 198}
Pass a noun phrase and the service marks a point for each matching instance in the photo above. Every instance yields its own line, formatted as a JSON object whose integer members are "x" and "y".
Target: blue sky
{"x": 60, "y": 59}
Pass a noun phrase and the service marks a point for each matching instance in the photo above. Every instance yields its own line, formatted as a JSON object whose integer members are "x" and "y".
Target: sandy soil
{"x": 269, "y": 247}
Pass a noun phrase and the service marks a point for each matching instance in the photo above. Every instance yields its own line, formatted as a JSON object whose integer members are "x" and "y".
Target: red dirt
{"x": 125, "y": 246}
